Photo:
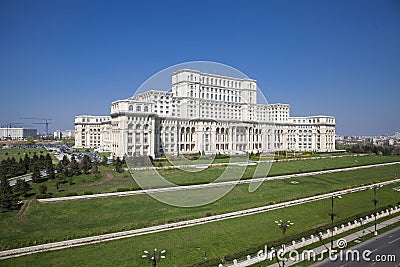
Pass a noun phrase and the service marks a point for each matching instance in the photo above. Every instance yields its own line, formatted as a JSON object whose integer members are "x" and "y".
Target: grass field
{"x": 18, "y": 153}
{"x": 186, "y": 246}
{"x": 182, "y": 177}
{"x": 89, "y": 184}
{"x": 65, "y": 220}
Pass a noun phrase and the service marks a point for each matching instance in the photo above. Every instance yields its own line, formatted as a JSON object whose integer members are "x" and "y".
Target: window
{"x": 138, "y": 108}
{"x": 146, "y": 109}
{"x": 130, "y": 108}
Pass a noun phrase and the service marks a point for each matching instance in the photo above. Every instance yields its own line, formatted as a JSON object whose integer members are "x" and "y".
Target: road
{"x": 26, "y": 177}
{"x": 385, "y": 251}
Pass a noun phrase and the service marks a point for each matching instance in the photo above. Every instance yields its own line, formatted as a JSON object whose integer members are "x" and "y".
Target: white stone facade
{"x": 204, "y": 113}
{"x": 17, "y": 133}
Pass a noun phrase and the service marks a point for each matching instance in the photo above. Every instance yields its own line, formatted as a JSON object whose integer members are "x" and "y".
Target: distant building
{"x": 17, "y": 133}
{"x": 64, "y": 134}
{"x": 205, "y": 113}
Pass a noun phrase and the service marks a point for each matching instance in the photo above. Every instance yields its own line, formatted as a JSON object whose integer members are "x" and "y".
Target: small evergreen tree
{"x": 65, "y": 161}
{"x": 8, "y": 201}
{"x": 57, "y": 184}
{"x": 94, "y": 169}
{"x": 42, "y": 189}
{"x": 22, "y": 187}
{"x": 35, "y": 174}
{"x": 50, "y": 173}
{"x": 49, "y": 161}
{"x": 27, "y": 162}
{"x": 21, "y": 170}
{"x": 86, "y": 165}
{"x": 74, "y": 167}
{"x": 118, "y": 165}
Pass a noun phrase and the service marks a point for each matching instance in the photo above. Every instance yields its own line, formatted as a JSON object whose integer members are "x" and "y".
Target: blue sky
{"x": 59, "y": 59}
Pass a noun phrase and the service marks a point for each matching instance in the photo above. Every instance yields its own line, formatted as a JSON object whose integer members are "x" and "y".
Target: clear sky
{"x": 59, "y": 58}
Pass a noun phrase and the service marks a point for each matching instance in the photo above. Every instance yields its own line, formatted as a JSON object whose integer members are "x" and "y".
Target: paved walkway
{"x": 171, "y": 226}
{"x": 349, "y": 238}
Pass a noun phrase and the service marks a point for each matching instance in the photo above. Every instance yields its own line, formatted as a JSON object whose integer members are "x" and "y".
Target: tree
{"x": 27, "y": 162}
{"x": 42, "y": 189}
{"x": 74, "y": 167}
{"x": 60, "y": 167}
{"x": 118, "y": 165}
{"x": 65, "y": 161}
{"x": 94, "y": 169}
{"x": 50, "y": 173}
{"x": 35, "y": 174}
{"x": 57, "y": 184}
{"x": 49, "y": 161}
{"x": 30, "y": 140}
{"x": 86, "y": 165}
{"x": 20, "y": 168}
{"x": 22, "y": 187}
{"x": 8, "y": 201}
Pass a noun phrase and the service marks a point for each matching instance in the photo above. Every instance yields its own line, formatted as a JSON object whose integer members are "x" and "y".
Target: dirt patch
{"x": 23, "y": 212}
{"x": 109, "y": 179}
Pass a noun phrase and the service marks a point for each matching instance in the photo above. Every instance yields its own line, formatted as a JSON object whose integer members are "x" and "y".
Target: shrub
{"x": 38, "y": 196}
{"x": 88, "y": 193}
{"x": 42, "y": 189}
{"x": 123, "y": 189}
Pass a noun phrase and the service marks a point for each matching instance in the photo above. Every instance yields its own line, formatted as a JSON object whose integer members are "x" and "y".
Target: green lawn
{"x": 84, "y": 184}
{"x": 186, "y": 246}
{"x": 184, "y": 177}
{"x": 18, "y": 153}
{"x": 66, "y": 220}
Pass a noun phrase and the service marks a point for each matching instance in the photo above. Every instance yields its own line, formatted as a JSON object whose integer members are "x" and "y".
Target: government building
{"x": 204, "y": 113}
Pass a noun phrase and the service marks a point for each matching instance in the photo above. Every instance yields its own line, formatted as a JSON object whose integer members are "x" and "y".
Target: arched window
{"x": 130, "y": 108}
{"x": 146, "y": 109}
{"x": 138, "y": 126}
{"x": 130, "y": 126}
{"x": 146, "y": 126}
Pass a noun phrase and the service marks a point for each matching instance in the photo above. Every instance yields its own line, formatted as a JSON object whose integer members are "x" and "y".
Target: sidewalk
{"x": 349, "y": 238}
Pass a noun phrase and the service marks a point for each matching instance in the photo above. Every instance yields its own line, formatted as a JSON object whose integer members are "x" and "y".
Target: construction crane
{"x": 46, "y": 122}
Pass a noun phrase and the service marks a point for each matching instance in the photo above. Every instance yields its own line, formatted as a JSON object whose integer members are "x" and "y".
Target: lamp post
{"x": 332, "y": 215}
{"x": 274, "y": 252}
{"x": 375, "y": 201}
{"x": 155, "y": 258}
{"x": 283, "y": 226}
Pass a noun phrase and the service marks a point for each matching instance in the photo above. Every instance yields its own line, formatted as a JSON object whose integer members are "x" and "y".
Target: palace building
{"x": 204, "y": 113}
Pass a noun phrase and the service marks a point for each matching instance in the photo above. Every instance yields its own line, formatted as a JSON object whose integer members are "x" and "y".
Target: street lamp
{"x": 283, "y": 226}
{"x": 332, "y": 215}
{"x": 375, "y": 201}
{"x": 362, "y": 224}
{"x": 156, "y": 257}
{"x": 273, "y": 250}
